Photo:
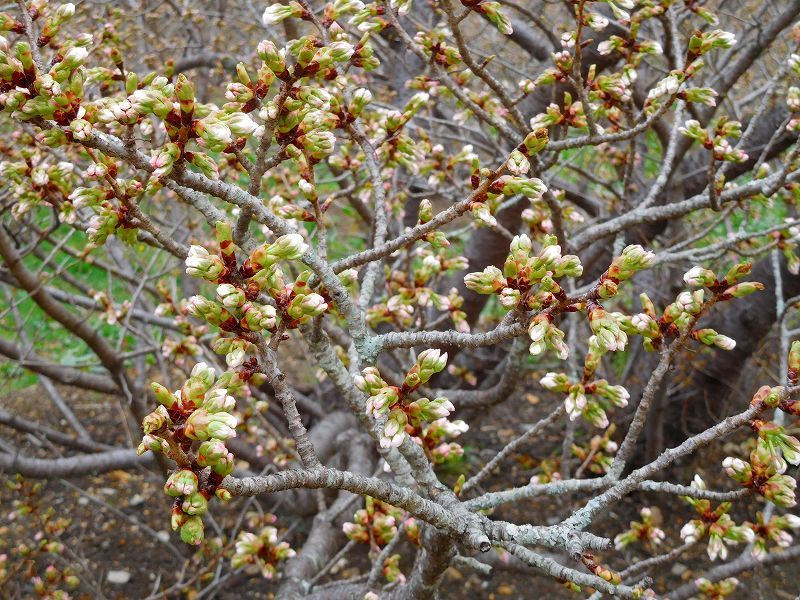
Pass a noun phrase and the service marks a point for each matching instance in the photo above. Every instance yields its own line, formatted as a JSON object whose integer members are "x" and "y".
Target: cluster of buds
{"x": 705, "y": 41}
{"x": 491, "y": 10}
{"x": 113, "y": 313}
{"x": 599, "y": 453}
{"x": 700, "y": 43}
{"x": 646, "y": 531}
{"x": 528, "y": 282}
{"x": 764, "y": 474}
{"x": 716, "y": 139}
{"x": 485, "y": 204}
{"x": 775, "y": 397}
{"x": 571, "y": 114}
{"x": 434, "y": 438}
{"x": 434, "y": 44}
{"x": 37, "y": 532}
{"x": 716, "y": 591}
{"x": 414, "y": 292}
{"x": 587, "y": 399}
{"x": 680, "y": 316}
{"x": 391, "y": 570}
{"x": 56, "y": 95}
{"x": 187, "y": 345}
{"x": 608, "y": 330}
{"x": 612, "y": 90}
{"x": 375, "y": 524}
{"x": 775, "y": 440}
{"x": 237, "y": 310}
{"x": 34, "y": 178}
{"x": 109, "y": 219}
{"x": 633, "y": 258}
{"x": 717, "y": 524}
{"x": 213, "y": 129}
{"x": 190, "y": 426}
{"x": 774, "y": 531}
{"x": 402, "y": 413}
{"x": 261, "y": 552}
{"x": 615, "y": 43}
{"x": 49, "y": 585}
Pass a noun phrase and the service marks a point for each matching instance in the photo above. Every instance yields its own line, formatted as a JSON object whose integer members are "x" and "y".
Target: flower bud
{"x": 737, "y": 272}
{"x": 306, "y": 307}
{"x": 698, "y": 276}
{"x": 224, "y": 466}
{"x": 207, "y": 310}
{"x": 184, "y": 93}
{"x": 210, "y": 452}
{"x": 489, "y": 281}
{"x": 509, "y": 298}
{"x": 181, "y": 483}
{"x": 239, "y": 124}
{"x": 152, "y": 443}
{"x": 556, "y": 382}
{"x": 510, "y": 186}
{"x": 380, "y": 403}
{"x": 155, "y": 420}
{"x": 274, "y": 59}
{"x": 192, "y": 531}
{"x": 738, "y": 470}
{"x": 740, "y": 290}
{"x": 779, "y": 489}
{"x": 491, "y": 10}
{"x": 81, "y": 129}
{"x": 607, "y": 289}
{"x": 199, "y": 263}
{"x": 568, "y": 265}
{"x": 286, "y": 247}
{"x": 163, "y": 395}
{"x": 164, "y": 159}
{"x": 429, "y": 362}
{"x": 615, "y": 394}
{"x": 202, "y": 425}
{"x": 536, "y": 141}
{"x": 275, "y": 13}
{"x": 230, "y": 295}
{"x": 195, "y": 504}
{"x": 218, "y": 400}
{"x": 204, "y": 374}
{"x": 394, "y": 431}
{"x": 215, "y": 134}
{"x": 223, "y": 494}
{"x": 370, "y": 381}
{"x": 794, "y": 362}
{"x": 73, "y": 58}
{"x": 517, "y": 163}
{"x": 361, "y": 97}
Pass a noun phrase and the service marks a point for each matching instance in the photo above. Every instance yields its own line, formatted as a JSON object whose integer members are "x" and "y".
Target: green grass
{"x": 49, "y": 338}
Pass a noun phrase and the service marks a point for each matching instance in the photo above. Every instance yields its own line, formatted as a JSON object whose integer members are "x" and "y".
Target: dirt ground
{"x": 120, "y": 521}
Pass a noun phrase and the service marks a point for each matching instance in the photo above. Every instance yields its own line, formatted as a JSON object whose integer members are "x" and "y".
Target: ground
{"x": 120, "y": 545}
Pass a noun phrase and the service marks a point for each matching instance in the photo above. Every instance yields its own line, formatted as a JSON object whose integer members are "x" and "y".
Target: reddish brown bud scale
{"x": 252, "y": 291}
{"x": 791, "y": 407}
{"x": 231, "y": 324}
